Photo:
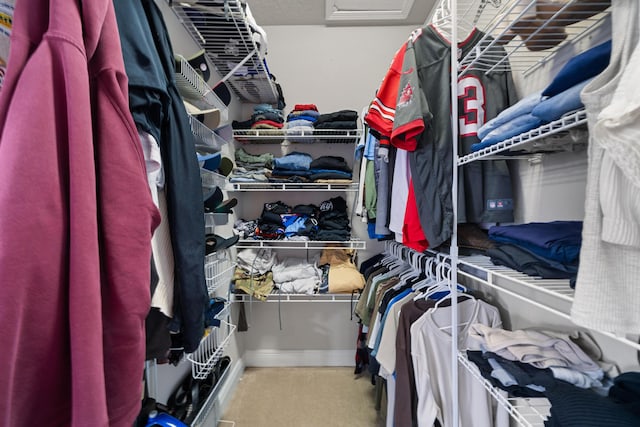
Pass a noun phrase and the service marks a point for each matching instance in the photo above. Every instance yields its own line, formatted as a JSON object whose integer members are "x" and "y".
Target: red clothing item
{"x": 302, "y": 107}
{"x": 382, "y": 110}
{"x": 267, "y": 124}
{"x": 76, "y": 223}
{"x": 412, "y": 233}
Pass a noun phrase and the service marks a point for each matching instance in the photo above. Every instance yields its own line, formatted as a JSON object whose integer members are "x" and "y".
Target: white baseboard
{"x": 287, "y": 358}
{"x": 229, "y": 387}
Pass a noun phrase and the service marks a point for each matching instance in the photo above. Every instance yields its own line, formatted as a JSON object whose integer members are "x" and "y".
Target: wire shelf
{"x": 205, "y": 136}
{"x": 211, "y": 404}
{"x": 522, "y": 35}
{"x": 194, "y": 89}
{"x": 301, "y": 244}
{"x": 220, "y": 27}
{"x": 284, "y": 136}
{"x": 284, "y": 297}
{"x": 282, "y": 186}
{"x": 210, "y": 350}
{"x": 218, "y": 270}
{"x": 211, "y": 180}
{"x": 530, "y": 412}
{"x": 535, "y": 140}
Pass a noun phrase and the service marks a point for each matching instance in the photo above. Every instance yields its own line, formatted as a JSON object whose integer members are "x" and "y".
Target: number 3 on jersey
{"x": 471, "y": 105}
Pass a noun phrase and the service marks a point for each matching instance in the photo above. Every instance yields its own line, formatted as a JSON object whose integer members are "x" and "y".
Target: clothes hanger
{"x": 441, "y": 19}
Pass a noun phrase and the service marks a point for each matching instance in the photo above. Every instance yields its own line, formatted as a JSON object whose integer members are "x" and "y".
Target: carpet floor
{"x": 303, "y": 397}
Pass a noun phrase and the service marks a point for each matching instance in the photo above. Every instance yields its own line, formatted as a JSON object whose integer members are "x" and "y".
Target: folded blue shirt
{"x": 293, "y": 161}
{"x": 556, "y": 240}
{"x": 515, "y": 127}
{"x": 581, "y": 67}
{"x": 555, "y": 107}
{"x": 522, "y": 107}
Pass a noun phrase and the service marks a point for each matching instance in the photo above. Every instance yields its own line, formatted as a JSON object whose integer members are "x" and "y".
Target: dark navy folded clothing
{"x": 580, "y": 68}
{"x": 242, "y": 125}
{"x": 527, "y": 262}
{"x": 309, "y": 210}
{"x": 288, "y": 172}
{"x": 486, "y": 369}
{"x": 342, "y": 115}
{"x": 276, "y": 207}
{"x": 330, "y": 162}
{"x": 270, "y": 218}
{"x": 329, "y": 175}
{"x": 626, "y": 391}
{"x": 558, "y": 240}
{"x": 337, "y": 124}
{"x": 337, "y": 235}
{"x": 333, "y": 204}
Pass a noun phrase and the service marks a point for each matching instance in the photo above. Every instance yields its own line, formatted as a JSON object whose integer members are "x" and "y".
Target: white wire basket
{"x": 210, "y": 350}
{"x": 218, "y": 270}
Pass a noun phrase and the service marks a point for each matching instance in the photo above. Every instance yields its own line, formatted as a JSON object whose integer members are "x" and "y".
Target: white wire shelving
{"x": 292, "y": 186}
{"x": 522, "y": 35}
{"x": 530, "y": 412}
{"x": 205, "y": 136}
{"x": 211, "y": 349}
{"x": 195, "y": 90}
{"x": 284, "y": 136}
{"x": 221, "y": 28}
{"x": 218, "y": 270}
{"x": 211, "y": 405}
{"x": 302, "y": 244}
{"x": 284, "y": 297}
{"x": 535, "y": 140}
{"x": 552, "y": 295}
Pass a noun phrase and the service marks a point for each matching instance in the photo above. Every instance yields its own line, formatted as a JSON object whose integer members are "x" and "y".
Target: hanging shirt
{"x": 76, "y": 223}
{"x": 422, "y": 126}
{"x": 432, "y": 361}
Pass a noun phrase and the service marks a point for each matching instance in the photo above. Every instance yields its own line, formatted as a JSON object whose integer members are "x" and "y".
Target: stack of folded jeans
{"x": 301, "y": 167}
{"x": 548, "y": 250}
{"x": 343, "y": 120}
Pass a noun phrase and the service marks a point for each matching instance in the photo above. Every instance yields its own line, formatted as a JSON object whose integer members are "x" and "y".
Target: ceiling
{"x": 312, "y": 12}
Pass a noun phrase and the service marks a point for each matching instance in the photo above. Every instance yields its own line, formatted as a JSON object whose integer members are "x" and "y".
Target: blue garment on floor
{"x": 508, "y": 130}
{"x": 522, "y": 107}
{"x": 555, "y": 107}
{"x": 557, "y": 240}
{"x": 581, "y": 67}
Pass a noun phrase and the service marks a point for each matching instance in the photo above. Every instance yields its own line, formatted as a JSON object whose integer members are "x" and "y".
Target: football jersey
{"x": 422, "y": 125}
{"x": 382, "y": 110}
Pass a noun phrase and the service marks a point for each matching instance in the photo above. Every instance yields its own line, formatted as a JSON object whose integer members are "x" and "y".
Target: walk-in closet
{"x": 246, "y": 213}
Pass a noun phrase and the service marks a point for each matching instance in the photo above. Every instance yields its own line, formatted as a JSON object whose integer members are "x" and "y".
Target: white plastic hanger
{"x": 465, "y": 12}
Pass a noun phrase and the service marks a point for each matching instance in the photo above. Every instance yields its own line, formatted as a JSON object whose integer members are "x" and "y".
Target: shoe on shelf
{"x": 575, "y": 12}
{"x": 214, "y": 243}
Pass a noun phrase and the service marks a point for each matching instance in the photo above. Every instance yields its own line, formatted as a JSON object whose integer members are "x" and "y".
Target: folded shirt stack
{"x": 342, "y": 120}
{"x": 264, "y": 117}
{"x": 304, "y": 168}
{"x": 562, "y": 96}
{"x": 548, "y": 250}
{"x": 280, "y": 221}
{"x": 296, "y": 276}
{"x": 253, "y": 274}
{"x": 564, "y": 368}
{"x": 300, "y": 121}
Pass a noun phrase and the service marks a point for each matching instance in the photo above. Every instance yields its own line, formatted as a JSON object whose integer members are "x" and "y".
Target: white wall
{"x": 335, "y": 68}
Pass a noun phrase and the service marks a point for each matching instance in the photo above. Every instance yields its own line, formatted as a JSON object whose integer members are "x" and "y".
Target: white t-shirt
{"x": 431, "y": 355}
{"x": 399, "y": 192}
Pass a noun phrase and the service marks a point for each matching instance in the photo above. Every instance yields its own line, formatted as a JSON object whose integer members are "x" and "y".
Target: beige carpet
{"x": 303, "y": 397}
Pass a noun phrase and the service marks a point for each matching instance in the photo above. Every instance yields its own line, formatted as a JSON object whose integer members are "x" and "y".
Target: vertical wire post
{"x": 454, "y": 196}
